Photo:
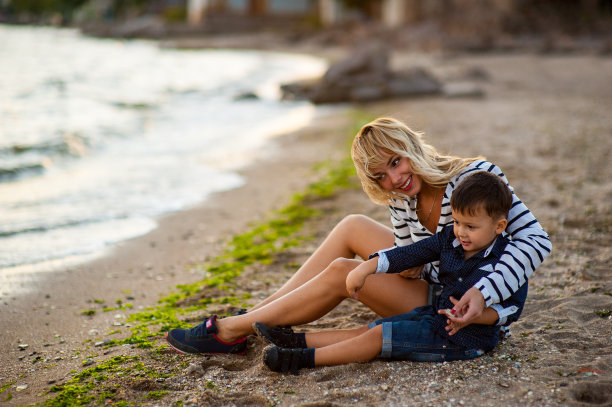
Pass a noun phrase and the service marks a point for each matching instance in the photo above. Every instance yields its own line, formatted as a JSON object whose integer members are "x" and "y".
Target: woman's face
{"x": 395, "y": 175}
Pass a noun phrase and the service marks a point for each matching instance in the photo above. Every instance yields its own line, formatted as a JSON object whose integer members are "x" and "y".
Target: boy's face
{"x": 476, "y": 232}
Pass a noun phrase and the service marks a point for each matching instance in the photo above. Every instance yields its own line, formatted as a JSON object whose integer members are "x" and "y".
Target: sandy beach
{"x": 544, "y": 120}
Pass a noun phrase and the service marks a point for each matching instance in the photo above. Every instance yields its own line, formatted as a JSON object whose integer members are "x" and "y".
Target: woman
{"x": 396, "y": 168}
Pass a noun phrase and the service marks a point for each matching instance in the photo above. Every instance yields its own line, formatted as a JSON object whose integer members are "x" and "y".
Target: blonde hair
{"x": 390, "y": 136}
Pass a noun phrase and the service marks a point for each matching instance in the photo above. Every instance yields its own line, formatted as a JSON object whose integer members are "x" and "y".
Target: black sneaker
{"x": 203, "y": 339}
{"x": 280, "y": 336}
{"x": 285, "y": 360}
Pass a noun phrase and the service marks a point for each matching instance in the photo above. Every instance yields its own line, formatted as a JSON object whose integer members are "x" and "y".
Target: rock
{"x": 364, "y": 76}
{"x": 246, "y": 96}
{"x": 368, "y": 93}
{"x": 413, "y": 82}
{"x": 372, "y": 58}
{"x": 299, "y": 90}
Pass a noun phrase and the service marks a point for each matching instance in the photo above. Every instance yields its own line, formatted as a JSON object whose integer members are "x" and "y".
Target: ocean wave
{"x": 19, "y": 161}
{"x": 16, "y": 173}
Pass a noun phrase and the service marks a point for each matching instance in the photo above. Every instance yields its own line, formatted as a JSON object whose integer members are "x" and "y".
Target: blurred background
{"x": 113, "y": 112}
{"x": 465, "y": 24}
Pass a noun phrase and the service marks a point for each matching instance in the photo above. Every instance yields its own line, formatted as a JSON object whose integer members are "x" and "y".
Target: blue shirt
{"x": 456, "y": 275}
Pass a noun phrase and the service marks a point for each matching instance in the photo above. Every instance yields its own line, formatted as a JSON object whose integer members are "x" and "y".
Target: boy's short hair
{"x": 485, "y": 190}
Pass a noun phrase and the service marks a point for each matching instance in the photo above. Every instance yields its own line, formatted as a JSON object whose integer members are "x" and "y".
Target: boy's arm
{"x": 356, "y": 278}
{"x": 400, "y": 258}
{"x": 395, "y": 260}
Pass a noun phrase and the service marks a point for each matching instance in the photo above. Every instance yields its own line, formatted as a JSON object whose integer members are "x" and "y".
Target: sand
{"x": 544, "y": 120}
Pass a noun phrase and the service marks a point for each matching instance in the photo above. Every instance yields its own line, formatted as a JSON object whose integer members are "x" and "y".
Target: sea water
{"x": 98, "y": 137}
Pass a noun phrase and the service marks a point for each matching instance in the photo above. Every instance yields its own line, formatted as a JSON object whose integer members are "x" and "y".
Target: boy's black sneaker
{"x": 285, "y": 360}
{"x": 203, "y": 339}
{"x": 280, "y": 336}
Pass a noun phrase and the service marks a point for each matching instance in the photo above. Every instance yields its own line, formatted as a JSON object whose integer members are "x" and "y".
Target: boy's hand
{"x": 356, "y": 278}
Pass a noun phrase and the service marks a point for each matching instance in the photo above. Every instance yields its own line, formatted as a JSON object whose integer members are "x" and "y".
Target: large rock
{"x": 373, "y": 58}
{"x": 363, "y": 77}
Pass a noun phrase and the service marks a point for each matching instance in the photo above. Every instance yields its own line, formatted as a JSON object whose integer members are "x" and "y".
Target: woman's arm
{"x": 528, "y": 247}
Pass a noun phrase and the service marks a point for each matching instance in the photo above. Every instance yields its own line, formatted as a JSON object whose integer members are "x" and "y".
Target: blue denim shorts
{"x": 411, "y": 336}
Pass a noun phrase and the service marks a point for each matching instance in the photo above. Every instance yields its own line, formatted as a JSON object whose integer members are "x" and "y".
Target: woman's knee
{"x": 363, "y": 235}
{"x": 341, "y": 267}
{"x": 354, "y": 222}
{"x": 335, "y": 274}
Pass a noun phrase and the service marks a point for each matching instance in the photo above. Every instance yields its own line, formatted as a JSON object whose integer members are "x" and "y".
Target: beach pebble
{"x": 21, "y": 387}
{"x": 88, "y": 362}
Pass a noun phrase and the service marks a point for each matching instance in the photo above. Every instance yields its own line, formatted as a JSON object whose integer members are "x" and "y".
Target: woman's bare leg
{"x": 354, "y": 235}
{"x": 385, "y": 294}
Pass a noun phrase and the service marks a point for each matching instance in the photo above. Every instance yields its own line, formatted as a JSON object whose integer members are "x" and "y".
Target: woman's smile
{"x": 405, "y": 187}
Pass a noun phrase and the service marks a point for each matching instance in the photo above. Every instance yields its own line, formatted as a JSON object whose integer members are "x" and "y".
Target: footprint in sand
{"x": 599, "y": 393}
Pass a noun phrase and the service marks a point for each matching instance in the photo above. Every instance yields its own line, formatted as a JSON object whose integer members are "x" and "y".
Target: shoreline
{"x": 57, "y": 210}
{"x": 544, "y": 121}
{"x": 14, "y": 280}
{"x": 144, "y": 269}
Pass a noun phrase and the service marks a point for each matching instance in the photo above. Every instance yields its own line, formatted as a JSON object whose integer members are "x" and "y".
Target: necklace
{"x": 431, "y": 209}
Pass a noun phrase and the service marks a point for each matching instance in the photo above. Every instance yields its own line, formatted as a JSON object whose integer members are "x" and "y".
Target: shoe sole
{"x": 241, "y": 353}
{"x": 261, "y": 334}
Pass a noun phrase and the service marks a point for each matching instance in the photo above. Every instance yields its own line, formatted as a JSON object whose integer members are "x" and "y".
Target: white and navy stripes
{"x": 529, "y": 244}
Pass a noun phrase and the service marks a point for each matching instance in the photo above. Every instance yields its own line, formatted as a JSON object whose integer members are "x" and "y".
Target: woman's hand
{"x": 454, "y": 323}
{"x": 414, "y": 272}
{"x": 356, "y": 278}
{"x": 466, "y": 310}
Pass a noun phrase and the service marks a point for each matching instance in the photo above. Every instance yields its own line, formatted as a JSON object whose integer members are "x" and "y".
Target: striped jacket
{"x": 529, "y": 244}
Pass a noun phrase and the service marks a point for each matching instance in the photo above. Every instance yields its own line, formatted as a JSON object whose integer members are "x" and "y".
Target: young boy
{"x": 467, "y": 251}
